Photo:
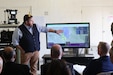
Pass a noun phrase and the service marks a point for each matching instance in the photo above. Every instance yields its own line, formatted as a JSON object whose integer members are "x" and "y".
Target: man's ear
{"x": 99, "y": 51}
{"x": 62, "y": 53}
{"x": 25, "y": 22}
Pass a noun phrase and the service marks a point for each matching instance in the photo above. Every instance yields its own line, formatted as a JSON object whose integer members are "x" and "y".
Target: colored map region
{"x": 69, "y": 35}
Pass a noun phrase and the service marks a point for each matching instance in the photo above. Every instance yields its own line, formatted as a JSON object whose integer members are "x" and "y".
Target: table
{"x": 80, "y": 60}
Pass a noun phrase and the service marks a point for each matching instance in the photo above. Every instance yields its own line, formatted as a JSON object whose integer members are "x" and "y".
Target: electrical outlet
{"x": 46, "y": 13}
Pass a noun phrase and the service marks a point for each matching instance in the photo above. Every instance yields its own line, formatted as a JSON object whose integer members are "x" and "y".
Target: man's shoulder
{"x": 20, "y": 26}
{"x": 100, "y": 59}
{"x": 44, "y": 68}
{"x": 45, "y": 65}
{"x": 18, "y": 65}
{"x": 22, "y": 65}
{"x": 95, "y": 62}
{"x": 68, "y": 63}
{"x": 12, "y": 68}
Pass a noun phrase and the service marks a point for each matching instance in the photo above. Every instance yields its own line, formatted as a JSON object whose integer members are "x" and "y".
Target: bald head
{"x": 56, "y": 51}
{"x": 8, "y": 49}
{"x": 9, "y": 54}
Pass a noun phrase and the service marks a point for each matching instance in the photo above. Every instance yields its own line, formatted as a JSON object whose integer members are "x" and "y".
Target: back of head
{"x": 58, "y": 67}
{"x": 56, "y": 52}
{"x": 9, "y": 54}
{"x": 103, "y": 48}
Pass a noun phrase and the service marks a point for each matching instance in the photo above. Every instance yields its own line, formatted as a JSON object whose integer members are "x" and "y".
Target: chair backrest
{"x": 106, "y": 73}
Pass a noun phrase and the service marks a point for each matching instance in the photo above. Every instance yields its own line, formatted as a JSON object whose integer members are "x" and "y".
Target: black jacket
{"x": 12, "y": 68}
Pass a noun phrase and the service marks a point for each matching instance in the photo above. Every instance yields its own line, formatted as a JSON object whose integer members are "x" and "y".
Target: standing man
{"x": 27, "y": 39}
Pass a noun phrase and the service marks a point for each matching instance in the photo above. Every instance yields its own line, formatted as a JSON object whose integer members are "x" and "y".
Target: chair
{"x": 106, "y": 73}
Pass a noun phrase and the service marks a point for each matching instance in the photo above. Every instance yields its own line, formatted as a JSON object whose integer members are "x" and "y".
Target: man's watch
{"x": 55, "y": 31}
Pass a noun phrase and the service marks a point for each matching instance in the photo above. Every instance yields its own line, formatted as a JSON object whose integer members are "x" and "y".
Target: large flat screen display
{"x": 75, "y": 35}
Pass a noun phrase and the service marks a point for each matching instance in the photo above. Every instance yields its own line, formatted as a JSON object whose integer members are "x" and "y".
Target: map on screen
{"x": 74, "y": 35}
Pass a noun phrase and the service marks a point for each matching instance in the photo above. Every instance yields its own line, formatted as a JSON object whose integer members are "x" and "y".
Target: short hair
{"x": 104, "y": 47}
{"x": 27, "y": 17}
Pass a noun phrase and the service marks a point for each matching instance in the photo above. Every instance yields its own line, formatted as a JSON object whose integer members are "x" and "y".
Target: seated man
{"x": 12, "y": 68}
{"x": 102, "y": 64}
{"x": 56, "y": 53}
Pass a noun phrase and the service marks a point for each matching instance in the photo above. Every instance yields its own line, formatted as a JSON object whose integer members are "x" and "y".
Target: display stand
{"x": 76, "y": 52}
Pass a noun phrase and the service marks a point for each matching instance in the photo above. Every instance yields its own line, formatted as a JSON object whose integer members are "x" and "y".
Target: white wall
{"x": 98, "y": 12}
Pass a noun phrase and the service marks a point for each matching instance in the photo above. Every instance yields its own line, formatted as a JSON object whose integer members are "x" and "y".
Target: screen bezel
{"x": 67, "y": 24}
